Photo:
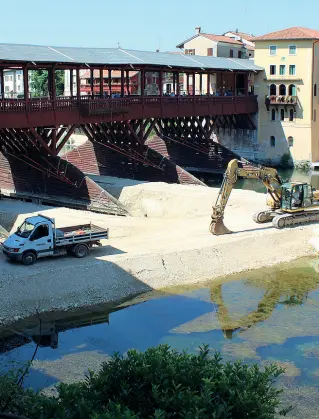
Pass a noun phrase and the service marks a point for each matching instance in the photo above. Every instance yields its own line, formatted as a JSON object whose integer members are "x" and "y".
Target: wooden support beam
{"x": 2, "y": 83}
{"x": 201, "y": 129}
{"x": 128, "y": 92}
{"x": 122, "y": 83}
{"x": 38, "y": 137}
{"x": 178, "y": 86}
{"x": 61, "y": 133}
{"x": 101, "y": 82}
{"x": 78, "y": 85}
{"x": 194, "y": 83}
{"x": 110, "y": 82}
{"x": 92, "y": 81}
{"x": 132, "y": 131}
{"x": 142, "y": 82}
{"x": 26, "y": 83}
{"x": 208, "y": 84}
{"x": 187, "y": 83}
{"x": 53, "y": 84}
{"x": 53, "y": 142}
{"x": 200, "y": 83}
{"x": 149, "y": 130}
{"x": 160, "y": 82}
{"x": 71, "y": 82}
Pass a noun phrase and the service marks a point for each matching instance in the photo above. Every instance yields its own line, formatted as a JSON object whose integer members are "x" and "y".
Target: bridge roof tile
{"x": 117, "y": 56}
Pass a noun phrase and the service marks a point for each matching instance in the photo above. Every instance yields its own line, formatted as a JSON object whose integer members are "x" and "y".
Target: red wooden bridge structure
{"x": 120, "y": 131}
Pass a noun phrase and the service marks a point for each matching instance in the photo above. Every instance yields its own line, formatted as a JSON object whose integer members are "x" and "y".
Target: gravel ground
{"x": 171, "y": 247}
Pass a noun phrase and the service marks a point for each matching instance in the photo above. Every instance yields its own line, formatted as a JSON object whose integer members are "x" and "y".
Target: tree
{"x": 160, "y": 383}
{"x": 39, "y": 82}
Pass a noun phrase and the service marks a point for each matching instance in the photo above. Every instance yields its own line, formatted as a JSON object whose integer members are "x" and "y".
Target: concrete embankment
{"x": 169, "y": 247}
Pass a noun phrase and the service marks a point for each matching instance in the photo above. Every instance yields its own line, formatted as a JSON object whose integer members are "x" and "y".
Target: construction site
{"x": 164, "y": 241}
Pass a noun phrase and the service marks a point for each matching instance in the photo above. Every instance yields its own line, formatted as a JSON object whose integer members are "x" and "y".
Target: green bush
{"x": 160, "y": 383}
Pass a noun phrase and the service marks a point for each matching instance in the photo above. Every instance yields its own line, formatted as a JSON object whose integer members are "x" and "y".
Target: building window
{"x": 314, "y": 115}
{"x": 272, "y": 50}
{"x": 7, "y": 88}
{"x": 273, "y": 115}
{"x": 272, "y": 70}
{"x": 290, "y": 141}
{"x": 282, "y": 90}
{"x": 292, "y": 70}
{"x": 282, "y": 70}
{"x": 231, "y": 53}
{"x": 292, "y": 49}
{"x": 272, "y": 141}
{"x": 239, "y": 54}
{"x": 282, "y": 114}
{"x": 272, "y": 90}
{"x": 6, "y": 78}
{"x": 19, "y": 77}
{"x": 18, "y": 87}
{"x": 291, "y": 115}
{"x": 11, "y": 78}
{"x": 210, "y": 52}
{"x": 189, "y": 51}
{"x": 292, "y": 90}
{"x": 315, "y": 90}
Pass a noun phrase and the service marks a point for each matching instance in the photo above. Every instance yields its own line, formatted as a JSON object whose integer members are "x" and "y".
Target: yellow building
{"x": 288, "y": 94}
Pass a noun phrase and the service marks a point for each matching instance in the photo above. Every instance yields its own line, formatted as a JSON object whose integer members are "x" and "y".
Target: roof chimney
{"x": 198, "y": 29}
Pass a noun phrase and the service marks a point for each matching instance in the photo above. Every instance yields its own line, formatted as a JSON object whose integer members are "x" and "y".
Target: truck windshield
{"x": 25, "y": 229}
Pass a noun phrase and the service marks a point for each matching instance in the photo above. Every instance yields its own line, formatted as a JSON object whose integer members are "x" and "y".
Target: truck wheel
{"x": 29, "y": 258}
{"x": 81, "y": 250}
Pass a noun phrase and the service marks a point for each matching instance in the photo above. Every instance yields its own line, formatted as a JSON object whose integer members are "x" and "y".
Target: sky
{"x": 144, "y": 24}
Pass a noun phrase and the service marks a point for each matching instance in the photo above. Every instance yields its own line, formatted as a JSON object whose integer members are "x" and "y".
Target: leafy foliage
{"x": 160, "y": 383}
{"x": 39, "y": 82}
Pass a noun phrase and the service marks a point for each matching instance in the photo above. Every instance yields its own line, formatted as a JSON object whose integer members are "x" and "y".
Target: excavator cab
{"x": 296, "y": 195}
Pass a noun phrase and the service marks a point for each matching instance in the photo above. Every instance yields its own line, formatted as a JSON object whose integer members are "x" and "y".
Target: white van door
{"x": 41, "y": 241}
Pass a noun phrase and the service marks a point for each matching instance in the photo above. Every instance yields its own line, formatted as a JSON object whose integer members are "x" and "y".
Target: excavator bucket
{"x": 218, "y": 228}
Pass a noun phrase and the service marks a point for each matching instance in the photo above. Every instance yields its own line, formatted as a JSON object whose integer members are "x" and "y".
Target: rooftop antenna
{"x": 118, "y": 45}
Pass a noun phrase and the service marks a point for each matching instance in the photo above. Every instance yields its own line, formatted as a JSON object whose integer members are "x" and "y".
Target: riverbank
{"x": 166, "y": 243}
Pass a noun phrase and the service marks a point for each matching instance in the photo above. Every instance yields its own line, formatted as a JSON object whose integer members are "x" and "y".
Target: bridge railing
{"x": 72, "y": 102}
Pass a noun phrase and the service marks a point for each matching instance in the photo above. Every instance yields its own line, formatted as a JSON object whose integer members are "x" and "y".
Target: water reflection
{"x": 260, "y": 316}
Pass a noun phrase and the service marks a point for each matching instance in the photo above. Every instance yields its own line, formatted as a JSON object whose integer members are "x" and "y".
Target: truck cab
{"x": 32, "y": 240}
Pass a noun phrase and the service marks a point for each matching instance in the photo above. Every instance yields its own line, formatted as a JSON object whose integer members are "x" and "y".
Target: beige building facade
{"x": 288, "y": 95}
{"x": 203, "y": 44}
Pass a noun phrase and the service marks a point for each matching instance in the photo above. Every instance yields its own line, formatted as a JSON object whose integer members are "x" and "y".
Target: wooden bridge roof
{"x": 18, "y": 53}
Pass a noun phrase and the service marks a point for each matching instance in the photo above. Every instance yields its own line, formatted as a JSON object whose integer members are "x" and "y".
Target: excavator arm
{"x": 235, "y": 169}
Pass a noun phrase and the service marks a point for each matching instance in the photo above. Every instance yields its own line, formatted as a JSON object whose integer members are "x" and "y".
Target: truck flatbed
{"x": 80, "y": 234}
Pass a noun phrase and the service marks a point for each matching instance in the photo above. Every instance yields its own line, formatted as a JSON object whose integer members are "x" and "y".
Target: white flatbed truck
{"x": 38, "y": 237}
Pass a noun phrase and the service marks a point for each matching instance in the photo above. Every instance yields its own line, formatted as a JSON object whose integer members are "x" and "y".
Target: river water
{"x": 262, "y": 316}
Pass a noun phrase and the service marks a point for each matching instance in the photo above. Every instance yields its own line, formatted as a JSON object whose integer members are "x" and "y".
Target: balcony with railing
{"x": 283, "y": 100}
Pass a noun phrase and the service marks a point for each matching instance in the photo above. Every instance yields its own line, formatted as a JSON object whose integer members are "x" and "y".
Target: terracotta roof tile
{"x": 242, "y": 35}
{"x": 291, "y": 33}
{"x": 221, "y": 38}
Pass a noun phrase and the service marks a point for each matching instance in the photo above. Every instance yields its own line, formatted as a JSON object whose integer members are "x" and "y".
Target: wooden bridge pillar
{"x": 101, "y": 82}
{"x": 26, "y": 83}
{"x": 2, "y": 83}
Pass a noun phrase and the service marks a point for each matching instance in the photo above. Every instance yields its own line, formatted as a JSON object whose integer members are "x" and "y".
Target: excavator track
{"x": 262, "y": 217}
{"x": 288, "y": 220}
